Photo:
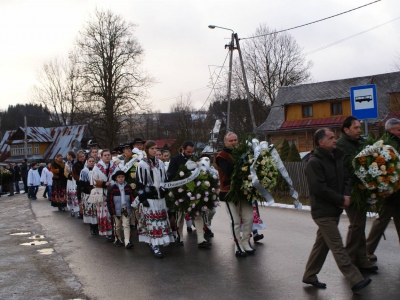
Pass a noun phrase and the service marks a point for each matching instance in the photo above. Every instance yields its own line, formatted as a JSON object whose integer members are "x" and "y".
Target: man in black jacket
{"x": 24, "y": 174}
{"x": 330, "y": 188}
{"x": 391, "y": 206}
{"x": 174, "y": 164}
{"x": 351, "y": 143}
{"x": 17, "y": 178}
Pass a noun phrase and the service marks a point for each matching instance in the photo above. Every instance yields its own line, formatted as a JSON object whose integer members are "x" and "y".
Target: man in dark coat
{"x": 24, "y": 174}
{"x": 9, "y": 181}
{"x": 17, "y": 177}
{"x": 330, "y": 188}
{"x": 351, "y": 143}
{"x": 391, "y": 206}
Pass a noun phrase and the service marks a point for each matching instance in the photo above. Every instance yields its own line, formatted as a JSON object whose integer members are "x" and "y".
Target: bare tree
{"x": 110, "y": 59}
{"x": 58, "y": 90}
{"x": 271, "y": 61}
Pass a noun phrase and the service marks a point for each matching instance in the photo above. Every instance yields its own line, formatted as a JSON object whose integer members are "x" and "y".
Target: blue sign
{"x": 363, "y": 100}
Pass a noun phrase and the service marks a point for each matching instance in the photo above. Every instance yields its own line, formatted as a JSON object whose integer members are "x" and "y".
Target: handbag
{"x": 96, "y": 196}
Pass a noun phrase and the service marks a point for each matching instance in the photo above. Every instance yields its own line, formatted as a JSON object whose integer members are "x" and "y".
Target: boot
{"x": 156, "y": 251}
{"x": 93, "y": 230}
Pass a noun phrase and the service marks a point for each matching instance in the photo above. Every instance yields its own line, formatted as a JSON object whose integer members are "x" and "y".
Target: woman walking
{"x": 76, "y": 172}
{"x": 58, "y": 196}
{"x": 154, "y": 227}
{"x": 89, "y": 209}
{"x": 72, "y": 198}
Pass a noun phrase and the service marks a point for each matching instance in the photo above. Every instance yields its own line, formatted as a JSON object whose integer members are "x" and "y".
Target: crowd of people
{"x": 115, "y": 191}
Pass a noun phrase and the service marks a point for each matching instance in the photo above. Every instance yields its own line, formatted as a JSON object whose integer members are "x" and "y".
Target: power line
{"x": 215, "y": 81}
{"x": 342, "y": 13}
{"x": 349, "y": 37}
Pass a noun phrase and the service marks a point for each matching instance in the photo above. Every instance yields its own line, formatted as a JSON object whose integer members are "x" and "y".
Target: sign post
{"x": 364, "y": 104}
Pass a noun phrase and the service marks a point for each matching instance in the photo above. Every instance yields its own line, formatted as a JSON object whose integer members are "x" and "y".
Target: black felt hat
{"x": 125, "y": 145}
{"x": 119, "y": 172}
{"x": 138, "y": 140}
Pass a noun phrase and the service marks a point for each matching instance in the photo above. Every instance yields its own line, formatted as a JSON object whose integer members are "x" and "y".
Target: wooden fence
{"x": 296, "y": 173}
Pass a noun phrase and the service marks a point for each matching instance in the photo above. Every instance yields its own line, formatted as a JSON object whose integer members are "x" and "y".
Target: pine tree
{"x": 293, "y": 154}
{"x": 284, "y": 150}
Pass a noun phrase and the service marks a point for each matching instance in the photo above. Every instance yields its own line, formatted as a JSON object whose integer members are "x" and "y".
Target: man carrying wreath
{"x": 351, "y": 143}
{"x": 241, "y": 210}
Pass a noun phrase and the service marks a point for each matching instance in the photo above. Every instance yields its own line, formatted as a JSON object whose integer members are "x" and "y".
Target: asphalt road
{"x": 274, "y": 272}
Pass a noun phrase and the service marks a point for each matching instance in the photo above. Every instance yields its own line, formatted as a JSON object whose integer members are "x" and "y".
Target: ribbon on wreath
{"x": 202, "y": 165}
{"x": 258, "y": 147}
{"x": 136, "y": 157}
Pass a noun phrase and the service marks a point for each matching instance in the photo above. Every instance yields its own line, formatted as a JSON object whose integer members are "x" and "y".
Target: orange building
{"x": 300, "y": 110}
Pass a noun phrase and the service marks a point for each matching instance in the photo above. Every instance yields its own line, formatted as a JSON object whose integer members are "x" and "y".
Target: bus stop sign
{"x": 364, "y": 104}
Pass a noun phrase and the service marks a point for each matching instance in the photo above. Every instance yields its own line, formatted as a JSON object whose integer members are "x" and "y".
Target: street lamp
{"x": 231, "y": 48}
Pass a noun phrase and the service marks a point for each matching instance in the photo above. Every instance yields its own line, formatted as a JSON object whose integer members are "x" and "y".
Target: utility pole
{"x": 228, "y": 113}
{"x": 25, "y": 138}
{"x": 245, "y": 84}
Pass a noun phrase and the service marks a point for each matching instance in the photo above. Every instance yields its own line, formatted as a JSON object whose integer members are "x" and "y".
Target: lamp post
{"x": 231, "y": 48}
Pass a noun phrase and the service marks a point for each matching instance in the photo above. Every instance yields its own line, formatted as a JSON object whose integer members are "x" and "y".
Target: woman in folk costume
{"x": 101, "y": 179}
{"x": 89, "y": 209}
{"x": 72, "y": 198}
{"x": 154, "y": 227}
{"x": 58, "y": 196}
{"x": 76, "y": 172}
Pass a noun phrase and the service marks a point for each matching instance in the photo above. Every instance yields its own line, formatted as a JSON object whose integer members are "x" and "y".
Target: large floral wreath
{"x": 4, "y": 173}
{"x": 377, "y": 167}
{"x": 197, "y": 196}
{"x": 255, "y": 172}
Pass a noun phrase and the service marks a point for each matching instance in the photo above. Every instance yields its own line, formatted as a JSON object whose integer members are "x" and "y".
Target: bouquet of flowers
{"x": 196, "y": 196}
{"x": 255, "y": 171}
{"x": 377, "y": 167}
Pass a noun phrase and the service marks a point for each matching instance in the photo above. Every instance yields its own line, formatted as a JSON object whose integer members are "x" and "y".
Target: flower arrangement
{"x": 194, "y": 197}
{"x": 4, "y": 173}
{"x": 377, "y": 167}
{"x": 243, "y": 180}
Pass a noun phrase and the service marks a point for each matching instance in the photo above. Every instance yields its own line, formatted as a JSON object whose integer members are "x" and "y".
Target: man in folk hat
{"x": 138, "y": 143}
{"x": 119, "y": 200}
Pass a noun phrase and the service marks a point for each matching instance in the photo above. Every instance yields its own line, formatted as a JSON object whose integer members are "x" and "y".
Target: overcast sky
{"x": 180, "y": 48}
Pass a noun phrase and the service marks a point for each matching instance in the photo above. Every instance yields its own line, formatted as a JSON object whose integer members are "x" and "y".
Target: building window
{"x": 36, "y": 150}
{"x": 307, "y": 111}
{"x": 336, "y": 108}
{"x": 19, "y": 150}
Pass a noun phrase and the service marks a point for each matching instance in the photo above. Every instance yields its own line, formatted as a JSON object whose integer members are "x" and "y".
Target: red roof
{"x": 161, "y": 143}
{"x": 312, "y": 123}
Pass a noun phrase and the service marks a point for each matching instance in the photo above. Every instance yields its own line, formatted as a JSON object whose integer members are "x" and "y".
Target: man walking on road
{"x": 330, "y": 189}
{"x": 24, "y": 174}
{"x": 350, "y": 143}
{"x": 391, "y": 206}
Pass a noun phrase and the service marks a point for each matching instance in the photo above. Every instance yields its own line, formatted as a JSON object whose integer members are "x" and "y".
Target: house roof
{"x": 313, "y": 123}
{"x": 61, "y": 139}
{"x": 161, "y": 143}
{"x": 330, "y": 90}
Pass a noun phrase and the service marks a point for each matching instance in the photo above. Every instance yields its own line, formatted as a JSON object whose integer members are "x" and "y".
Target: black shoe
{"x": 33, "y": 198}
{"x": 44, "y": 196}
{"x": 156, "y": 251}
{"x": 60, "y": 208}
{"x": 240, "y": 254}
{"x": 258, "y": 237}
{"x": 362, "y": 284}
{"x": 93, "y": 230}
{"x": 372, "y": 269}
{"x": 79, "y": 216}
{"x": 189, "y": 229}
{"x": 179, "y": 241}
{"x": 129, "y": 245}
{"x": 316, "y": 283}
{"x": 208, "y": 233}
{"x": 118, "y": 243}
{"x": 250, "y": 252}
{"x": 109, "y": 238}
{"x": 204, "y": 244}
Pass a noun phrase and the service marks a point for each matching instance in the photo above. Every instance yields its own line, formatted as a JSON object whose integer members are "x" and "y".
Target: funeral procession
{"x": 147, "y": 153}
